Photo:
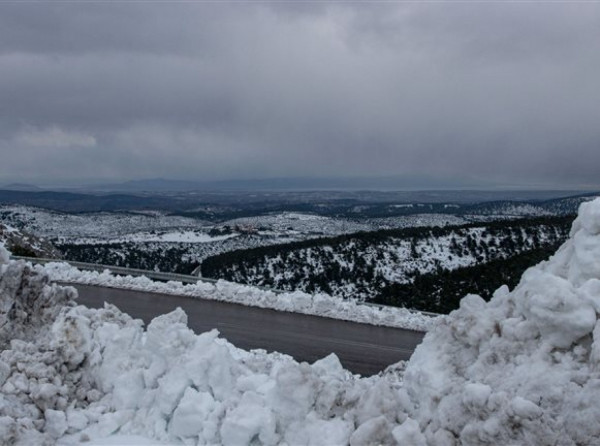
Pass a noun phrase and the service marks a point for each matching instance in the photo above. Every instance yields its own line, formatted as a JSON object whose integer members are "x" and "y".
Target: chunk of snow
{"x": 56, "y": 423}
{"x": 409, "y": 433}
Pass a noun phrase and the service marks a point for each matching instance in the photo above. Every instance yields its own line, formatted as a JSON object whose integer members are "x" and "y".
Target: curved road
{"x": 362, "y": 348}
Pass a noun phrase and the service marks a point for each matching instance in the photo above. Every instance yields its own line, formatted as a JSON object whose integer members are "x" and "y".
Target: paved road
{"x": 362, "y": 348}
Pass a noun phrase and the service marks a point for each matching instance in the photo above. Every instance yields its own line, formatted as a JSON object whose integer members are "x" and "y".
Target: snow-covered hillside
{"x": 122, "y": 227}
{"x": 26, "y": 244}
{"x": 420, "y": 220}
{"x": 156, "y": 241}
{"x": 558, "y": 206}
{"x": 361, "y": 265}
{"x": 101, "y": 226}
{"x": 521, "y": 369}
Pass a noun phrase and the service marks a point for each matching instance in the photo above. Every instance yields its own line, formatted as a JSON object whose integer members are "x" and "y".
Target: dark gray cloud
{"x": 506, "y": 93}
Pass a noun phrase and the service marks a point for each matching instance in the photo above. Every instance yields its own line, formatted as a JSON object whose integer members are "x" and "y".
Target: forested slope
{"x": 364, "y": 264}
{"x": 441, "y": 291}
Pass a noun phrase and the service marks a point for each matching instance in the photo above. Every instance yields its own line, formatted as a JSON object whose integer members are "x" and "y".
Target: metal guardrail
{"x": 119, "y": 270}
{"x": 183, "y": 278}
{"x": 122, "y": 271}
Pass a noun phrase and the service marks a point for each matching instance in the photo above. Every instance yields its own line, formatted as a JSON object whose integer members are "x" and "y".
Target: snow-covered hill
{"x": 521, "y": 369}
{"x": 153, "y": 240}
{"x": 23, "y": 243}
{"x": 92, "y": 227}
{"x": 361, "y": 265}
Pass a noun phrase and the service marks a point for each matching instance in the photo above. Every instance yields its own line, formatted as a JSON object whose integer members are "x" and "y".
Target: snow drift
{"x": 521, "y": 369}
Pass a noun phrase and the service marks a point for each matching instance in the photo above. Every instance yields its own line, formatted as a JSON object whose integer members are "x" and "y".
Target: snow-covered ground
{"x": 143, "y": 227}
{"x": 522, "y": 369}
{"x": 174, "y": 236}
{"x": 93, "y": 226}
{"x": 418, "y": 220}
{"x": 517, "y": 210}
{"x": 299, "y": 223}
{"x": 115, "y": 227}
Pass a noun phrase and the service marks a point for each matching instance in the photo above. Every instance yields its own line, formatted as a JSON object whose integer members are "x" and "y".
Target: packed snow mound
{"x": 521, "y": 369}
{"x": 27, "y": 304}
{"x": 74, "y": 374}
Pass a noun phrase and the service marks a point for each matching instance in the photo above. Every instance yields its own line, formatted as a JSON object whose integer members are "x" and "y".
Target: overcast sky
{"x": 482, "y": 92}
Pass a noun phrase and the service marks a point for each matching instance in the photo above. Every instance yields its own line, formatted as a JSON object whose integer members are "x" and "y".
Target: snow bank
{"x": 523, "y": 368}
{"x": 299, "y": 302}
{"x": 96, "y": 374}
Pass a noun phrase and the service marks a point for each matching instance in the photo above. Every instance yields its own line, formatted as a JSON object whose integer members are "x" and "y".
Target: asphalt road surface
{"x": 362, "y": 348}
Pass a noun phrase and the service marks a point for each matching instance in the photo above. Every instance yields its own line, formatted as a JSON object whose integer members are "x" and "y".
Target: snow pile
{"x": 91, "y": 374}
{"x": 4, "y": 255}
{"x": 27, "y": 303}
{"x": 298, "y": 302}
{"x": 523, "y": 368}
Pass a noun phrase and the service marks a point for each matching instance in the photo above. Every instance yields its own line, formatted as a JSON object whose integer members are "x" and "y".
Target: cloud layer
{"x": 490, "y": 92}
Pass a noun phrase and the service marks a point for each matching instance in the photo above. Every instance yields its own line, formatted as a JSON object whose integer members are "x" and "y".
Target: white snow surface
{"x": 298, "y": 301}
{"x": 523, "y": 369}
{"x": 173, "y": 237}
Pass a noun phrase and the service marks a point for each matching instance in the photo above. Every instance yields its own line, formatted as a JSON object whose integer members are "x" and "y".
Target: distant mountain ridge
{"x": 78, "y": 202}
{"x": 286, "y": 183}
{"x": 224, "y": 205}
{"x": 409, "y": 184}
{"x": 21, "y": 187}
